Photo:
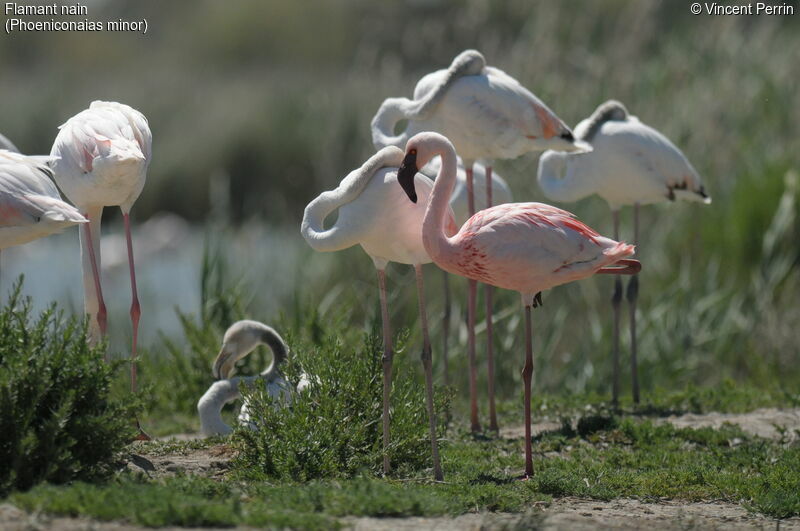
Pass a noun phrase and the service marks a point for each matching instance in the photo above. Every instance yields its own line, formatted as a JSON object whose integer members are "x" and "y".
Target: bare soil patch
{"x": 767, "y": 422}
{"x": 577, "y": 514}
{"x": 210, "y": 462}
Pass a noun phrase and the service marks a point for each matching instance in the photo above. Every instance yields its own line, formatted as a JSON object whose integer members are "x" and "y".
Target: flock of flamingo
{"x": 415, "y": 201}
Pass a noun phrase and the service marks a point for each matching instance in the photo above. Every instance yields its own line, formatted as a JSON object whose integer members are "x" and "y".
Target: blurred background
{"x": 258, "y": 106}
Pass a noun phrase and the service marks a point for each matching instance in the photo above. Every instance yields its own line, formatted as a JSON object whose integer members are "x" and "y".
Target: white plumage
{"x": 482, "y": 110}
{"x": 486, "y": 114}
{"x": 241, "y": 339}
{"x": 30, "y": 205}
{"x": 459, "y": 201}
{"x": 102, "y": 155}
{"x": 373, "y": 213}
{"x": 630, "y": 163}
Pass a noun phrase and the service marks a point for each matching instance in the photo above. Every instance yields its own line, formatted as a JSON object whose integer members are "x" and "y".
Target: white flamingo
{"x": 371, "y": 214}
{"x": 630, "y": 164}
{"x": 30, "y": 205}
{"x": 241, "y": 338}
{"x": 525, "y": 247}
{"x": 487, "y": 115}
{"x": 103, "y": 155}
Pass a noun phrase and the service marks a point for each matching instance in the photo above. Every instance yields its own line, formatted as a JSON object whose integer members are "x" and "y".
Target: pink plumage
{"x": 528, "y": 247}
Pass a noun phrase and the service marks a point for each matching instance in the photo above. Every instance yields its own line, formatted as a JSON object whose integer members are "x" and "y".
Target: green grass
{"x": 625, "y": 457}
{"x": 727, "y": 397}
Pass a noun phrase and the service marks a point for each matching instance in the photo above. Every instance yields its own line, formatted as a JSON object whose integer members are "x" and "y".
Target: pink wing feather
{"x": 529, "y": 247}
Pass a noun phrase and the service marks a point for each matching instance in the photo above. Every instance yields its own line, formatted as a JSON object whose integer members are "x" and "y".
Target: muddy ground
{"x": 564, "y": 513}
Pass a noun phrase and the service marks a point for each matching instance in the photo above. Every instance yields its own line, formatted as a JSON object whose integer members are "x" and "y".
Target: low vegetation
{"x": 334, "y": 428}
{"x": 591, "y": 457}
{"x": 58, "y": 419}
{"x": 319, "y": 461}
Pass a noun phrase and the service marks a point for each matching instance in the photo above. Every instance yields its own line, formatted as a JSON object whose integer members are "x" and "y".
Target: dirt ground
{"x": 767, "y": 423}
{"x": 564, "y": 513}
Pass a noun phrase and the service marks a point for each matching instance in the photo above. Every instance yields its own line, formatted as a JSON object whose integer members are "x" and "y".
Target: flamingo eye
{"x": 413, "y": 152}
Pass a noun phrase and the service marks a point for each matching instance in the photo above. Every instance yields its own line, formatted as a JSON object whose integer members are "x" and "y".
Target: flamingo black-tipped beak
{"x": 221, "y": 367}
{"x": 406, "y": 174}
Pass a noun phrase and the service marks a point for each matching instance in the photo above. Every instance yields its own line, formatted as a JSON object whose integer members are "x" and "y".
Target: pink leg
{"x": 102, "y": 319}
{"x": 135, "y": 314}
{"x": 426, "y": 365}
{"x": 472, "y": 296}
{"x": 488, "y": 293}
{"x": 632, "y": 296}
{"x": 470, "y": 193}
{"x": 387, "y": 368}
{"x": 527, "y": 377}
{"x": 135, "y": 309}
{"x": 446, "y": 329}
{"x": 616, "y": 303}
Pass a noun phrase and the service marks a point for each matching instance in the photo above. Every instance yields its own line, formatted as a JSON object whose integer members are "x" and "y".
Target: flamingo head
{"x": 420, "y": 150}
{"x": 407, "y": 173}
{"x": 239, "y": 341}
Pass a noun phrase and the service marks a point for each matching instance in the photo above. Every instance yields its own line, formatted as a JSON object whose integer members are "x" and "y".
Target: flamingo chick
{"x": 30, "y": 205}
{"x": 486, "y": 114}
{"x": 103, "y": 155}
{"x": 631, "y": 164}
{"x": 239, "y": 340}
{"x": 373, "y": 214}
{"x": 525, "y": 247}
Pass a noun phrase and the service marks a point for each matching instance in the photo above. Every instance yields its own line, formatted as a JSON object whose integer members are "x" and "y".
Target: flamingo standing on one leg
{"x": 103, "y": 155}
{"x": 486, "y": 114}
{"x": 631, "y": 164}
{"x": 526, "y": 247}
{"x": 30, "y": 205}
{"x": 372, "y": 215}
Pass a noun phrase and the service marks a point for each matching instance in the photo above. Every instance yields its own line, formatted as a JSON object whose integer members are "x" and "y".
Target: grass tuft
{"x": 334, "y": 429}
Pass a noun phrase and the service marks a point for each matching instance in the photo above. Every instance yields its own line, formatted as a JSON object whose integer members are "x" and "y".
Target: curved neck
{"x": 210, "y": 405}
{"x": 280, "y": 352}
{"x": 338, "y": 237}
{"x": 561, "y": 179}
{"x": 610, "y": 110}
{"x": 436, "y": 242}
{"x": 391, "y": 111}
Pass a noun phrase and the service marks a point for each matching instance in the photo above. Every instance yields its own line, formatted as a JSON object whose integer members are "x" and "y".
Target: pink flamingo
{"x": 487, "y": 114}
{"x": 526, "y": 247}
